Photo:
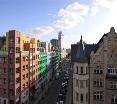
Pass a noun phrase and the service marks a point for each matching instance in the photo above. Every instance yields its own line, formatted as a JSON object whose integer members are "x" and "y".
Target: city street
{"x": 51, "y": 94}
{"x": 54, "y": 89}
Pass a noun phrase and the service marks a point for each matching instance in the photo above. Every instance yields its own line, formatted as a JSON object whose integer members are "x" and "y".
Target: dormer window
{"x": 98, "y": 70}
{"x": 81, "y": 70}
{"x": 111, "y": 71}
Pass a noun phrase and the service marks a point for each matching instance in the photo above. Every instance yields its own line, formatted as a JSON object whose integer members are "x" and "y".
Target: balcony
{"x": 111, "y": 73}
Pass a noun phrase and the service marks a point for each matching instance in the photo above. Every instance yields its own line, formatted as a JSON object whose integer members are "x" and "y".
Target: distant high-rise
{"x": 46, "y": 46}
{"x": 61, "y": 44}
{"x": 54, "y": 43}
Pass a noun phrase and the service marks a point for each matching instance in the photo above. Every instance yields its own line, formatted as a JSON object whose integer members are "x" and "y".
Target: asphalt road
{"x": 54, "y": 89}
{"x": 53, "y": 92}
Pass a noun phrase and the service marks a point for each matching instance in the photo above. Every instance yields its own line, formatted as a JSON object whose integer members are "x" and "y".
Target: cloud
{"x": 42, "y": 30}
{"x": 74, "y": 14}
{"x": 71, "y": 16}
{"x": 68, "y": 17}
{"x": 106, "y": 3}
{"x": 94, "y": 10}
{"x": 111, "y": 5}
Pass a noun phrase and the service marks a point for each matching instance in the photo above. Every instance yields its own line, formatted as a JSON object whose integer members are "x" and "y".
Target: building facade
{"x": 23, "y": 68}
{"x": 21, "y": 59}
{"x": 54, "y": 43}
{"x": 103, "y": 70}
{"x": 111, "y": 86}
{"x": 80, "y": 74}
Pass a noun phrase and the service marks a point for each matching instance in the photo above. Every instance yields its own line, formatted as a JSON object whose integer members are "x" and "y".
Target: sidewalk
{"x": 41, "y": 95}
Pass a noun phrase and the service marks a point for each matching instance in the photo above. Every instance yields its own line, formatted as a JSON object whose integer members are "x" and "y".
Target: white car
{"x": 60, "y": 102}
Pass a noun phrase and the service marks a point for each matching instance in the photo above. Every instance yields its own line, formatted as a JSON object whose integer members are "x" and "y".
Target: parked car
{"x": 60, "y": 99}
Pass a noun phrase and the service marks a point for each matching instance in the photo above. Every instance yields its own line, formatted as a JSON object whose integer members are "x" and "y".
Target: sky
{"x": 43, "y": 19}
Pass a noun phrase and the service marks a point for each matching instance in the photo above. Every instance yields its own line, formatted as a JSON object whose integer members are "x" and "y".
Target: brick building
{"x": 18, "y": 66}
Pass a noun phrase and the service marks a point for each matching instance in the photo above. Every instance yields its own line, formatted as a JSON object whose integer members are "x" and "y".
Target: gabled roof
{"x": 78, "y": 52}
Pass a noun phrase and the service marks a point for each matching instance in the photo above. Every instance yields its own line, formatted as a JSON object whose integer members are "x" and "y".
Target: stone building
{"x": 103, "y": 62}
{"x": 80, "y": 73}
{"x": 111, "y": 86}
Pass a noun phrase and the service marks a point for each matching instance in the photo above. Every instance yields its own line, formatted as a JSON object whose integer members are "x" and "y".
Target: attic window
{"x": 98, "y": 70}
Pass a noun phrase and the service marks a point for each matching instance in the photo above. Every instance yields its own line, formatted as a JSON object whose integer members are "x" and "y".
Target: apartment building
{"x": 103, "y": 70}
{"x": 21, "y": 67}
{"x": 24, "y": 71}
{"x": 80, "y": 73}
{"x": 111, "y": 86}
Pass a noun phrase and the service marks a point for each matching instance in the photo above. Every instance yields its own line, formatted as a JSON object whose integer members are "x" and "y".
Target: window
{"x": 114, "y": 85}
{"x": 26, "y": 92}
{"x": 81, "y": 70}
{"x": 4, "y": 80}
{"x": 0, "y": 101}
{"x": 77, "y": 96}
{"x": 23, "y": 76}
{"x": 36, "y": 70}
{"x": 81, "y": 97}
{"x": 114, "y": 100}
{"x": 98, "y": 70}
{"x": 11, "y": 101}
{"x": 11, "y": 92}
{"x": 26, "y": 84}
{"x": 17, "y": 50}
{"x": 4, "y": 70}
{"x": 17, "y": 60}
{"x": 87, "y": 83}
{"x": 24, "y": 67}
{"x": 11, "y": 70}
{"x": 18, "y": 80}
{"x": 36, "y": 77}
{"x": 86, "y": 96}
{"x": 98, "y": 95}
{"x": 27, "y": 75}
{"x": 33, "y": 57}
{"x": 17, "y": 70}
{"x": 98, "y": 83}
{"x": 77, "y": 83}
{"x": 23, "y": 86}
{"x": 111, "y": 71}
{"x": 4, "y": 91}
{"x": 10, "y": 60}
{"x": 87, "y": 70}
{"x": 36, "y": 56}
{"x": 17, "y": 41}
{"x": 27, "y": 58}
{"x": 11, "y": 50}
{"x": 18, "y": 90}
{"x": 4, "y": 101}
{"x": 24, "y": 58}
{"x": 81, "y": 84}
{"x": 4, "y": 60}
{"x": 33, "y": 72}
{"x": 77, "y": 70}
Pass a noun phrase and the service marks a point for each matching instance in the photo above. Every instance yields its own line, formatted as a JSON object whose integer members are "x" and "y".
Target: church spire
{"x": 81, "y": 39}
